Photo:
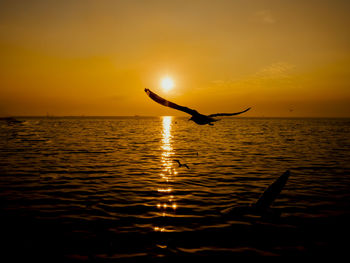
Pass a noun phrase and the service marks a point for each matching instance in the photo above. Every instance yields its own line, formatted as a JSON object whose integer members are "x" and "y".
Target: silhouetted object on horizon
{"x": 196, "y": 116}
{"x": 262, "y": 206}
{"x": 182, "y": 164}
{"x": 11, "y": 120}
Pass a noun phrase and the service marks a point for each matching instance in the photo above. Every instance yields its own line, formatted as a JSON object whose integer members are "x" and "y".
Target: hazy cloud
{"x": 276, "y": 72}
{"x": 266, "y": 16}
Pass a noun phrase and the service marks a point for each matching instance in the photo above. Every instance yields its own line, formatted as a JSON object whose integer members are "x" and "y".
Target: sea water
{"x": 109, "y": 189}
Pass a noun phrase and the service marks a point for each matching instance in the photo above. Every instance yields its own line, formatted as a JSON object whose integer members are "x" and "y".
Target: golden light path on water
{"x": 167, "y": 201}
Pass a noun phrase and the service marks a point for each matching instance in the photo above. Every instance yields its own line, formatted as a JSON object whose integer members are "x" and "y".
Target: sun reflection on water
{"x": 167, "y": 202}
{"x": 166, "y": 143}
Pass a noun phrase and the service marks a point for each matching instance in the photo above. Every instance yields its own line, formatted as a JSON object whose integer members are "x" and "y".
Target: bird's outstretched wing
{"x": 272, "y": 192}
{"x": 228, "y": 114}
{"x": 169, "y": 104}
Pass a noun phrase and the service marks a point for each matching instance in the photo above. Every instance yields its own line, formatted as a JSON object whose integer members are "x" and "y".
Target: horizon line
{"x": 157, "y": 116}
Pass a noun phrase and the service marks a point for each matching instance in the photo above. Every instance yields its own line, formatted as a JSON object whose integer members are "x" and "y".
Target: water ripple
{"x": 109, "y": 188}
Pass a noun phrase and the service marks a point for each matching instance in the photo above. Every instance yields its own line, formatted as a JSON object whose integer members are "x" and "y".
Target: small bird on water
{"x": 182, "y": 164}
{"x": 198, "y": 118}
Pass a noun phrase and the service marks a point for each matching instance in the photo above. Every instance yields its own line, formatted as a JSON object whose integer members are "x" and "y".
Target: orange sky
{"x": 282, "y": 58}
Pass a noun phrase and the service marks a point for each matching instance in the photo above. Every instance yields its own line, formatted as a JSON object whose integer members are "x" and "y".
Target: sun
{"x": 167, "y": 83}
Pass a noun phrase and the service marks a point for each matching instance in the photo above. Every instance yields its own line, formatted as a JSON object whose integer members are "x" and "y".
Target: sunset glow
{"x": 174, "y": 130}
{"x": 290, "y": 59}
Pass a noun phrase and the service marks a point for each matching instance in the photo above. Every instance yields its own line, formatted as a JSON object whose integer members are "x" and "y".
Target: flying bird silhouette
{"x": 182, "y": 164}
{"x": 198, "y": 118}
